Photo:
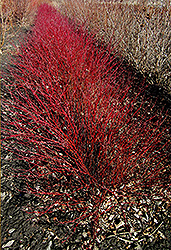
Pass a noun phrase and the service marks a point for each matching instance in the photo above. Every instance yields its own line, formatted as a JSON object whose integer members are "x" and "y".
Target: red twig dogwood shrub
{"x": 77, "y": 125}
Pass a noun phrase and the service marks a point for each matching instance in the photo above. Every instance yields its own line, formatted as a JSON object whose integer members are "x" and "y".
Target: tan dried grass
{"x": 16, "y": 14}
{"x": 143, "y": 31}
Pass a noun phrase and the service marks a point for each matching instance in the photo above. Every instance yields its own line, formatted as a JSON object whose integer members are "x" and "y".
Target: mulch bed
{"x": 21, "y": 230}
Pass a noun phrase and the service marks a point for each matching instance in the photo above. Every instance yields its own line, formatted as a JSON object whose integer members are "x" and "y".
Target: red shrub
{"x": 81, "y": 131}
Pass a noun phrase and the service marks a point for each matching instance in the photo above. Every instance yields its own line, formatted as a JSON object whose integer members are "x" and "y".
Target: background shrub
{"x": 140, "y": 28}
{"x": 16, "y": 15}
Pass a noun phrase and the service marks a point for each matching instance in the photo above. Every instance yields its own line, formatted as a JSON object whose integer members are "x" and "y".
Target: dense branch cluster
{"x": 76, "y": 123}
